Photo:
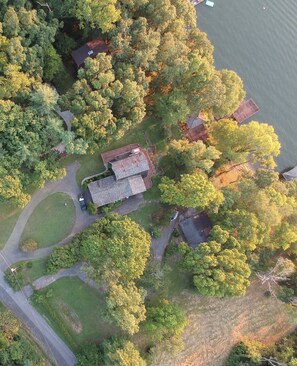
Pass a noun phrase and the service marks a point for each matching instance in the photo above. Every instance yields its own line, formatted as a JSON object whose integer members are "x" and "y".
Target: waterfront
{"x": 258, "y": 39}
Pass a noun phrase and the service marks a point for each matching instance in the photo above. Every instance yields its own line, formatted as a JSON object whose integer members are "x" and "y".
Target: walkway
{"x": 159, "y": 245}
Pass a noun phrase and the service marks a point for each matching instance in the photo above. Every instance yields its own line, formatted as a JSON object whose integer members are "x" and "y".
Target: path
{"x": 159, "y": 245}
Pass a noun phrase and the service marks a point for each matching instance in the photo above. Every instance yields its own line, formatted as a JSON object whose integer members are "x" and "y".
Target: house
{"x": 131, "y": 171}
{"x": 90, "y": 49}
{"x": 196, "y": 229}
{"x": 196, "y": 129}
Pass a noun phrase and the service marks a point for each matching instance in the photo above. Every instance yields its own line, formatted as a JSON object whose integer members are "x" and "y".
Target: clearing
{"x": 74, "y": 310}
{"x": 215, "y": 326}
{"x": 51, "y": 221}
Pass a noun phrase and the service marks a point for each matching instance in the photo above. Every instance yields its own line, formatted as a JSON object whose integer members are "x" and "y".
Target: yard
{"x": 51, "y": 221}
{"x": 143, "y": 216}
{"x": 75, "y": 310}
{"x": 8, "y": 217}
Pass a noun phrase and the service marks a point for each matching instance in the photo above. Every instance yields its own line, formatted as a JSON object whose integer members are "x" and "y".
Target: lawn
{"x": 8, "y": 219}
{"x": 143, "y": 216}
{"x": 75, "y": 311}
{"x": 51, "y": 221}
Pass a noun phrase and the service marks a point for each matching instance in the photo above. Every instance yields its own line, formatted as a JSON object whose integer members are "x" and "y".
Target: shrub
{"x": 112, "y": 206}
{"x": 156, "y": 232}
{"x": 29, "y": 245}
{"x": 92, "y": 209}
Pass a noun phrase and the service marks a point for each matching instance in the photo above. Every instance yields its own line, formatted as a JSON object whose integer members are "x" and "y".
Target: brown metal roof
{"x": 109, "y": 190}
{"x": 90, "y": 49}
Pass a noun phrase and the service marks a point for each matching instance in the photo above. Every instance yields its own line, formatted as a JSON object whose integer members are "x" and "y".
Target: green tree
{"x": 121, "y": 352}
{"x": 233, "y": 96}
{"x": 125, "y": 306}
{"x": 193, "y": 190}
{"x": 188, "y": 156}
{"x": 53, "y": 65}
{"x": 44, "y": 99}
{"x": 254, "y": 142}
{"x": 116, "y": 247}
{"x": 11, "y": 26}
{"x": 97, "y": 13}
{"x": 165, "y": 320}
{"x": 219, "y": 268}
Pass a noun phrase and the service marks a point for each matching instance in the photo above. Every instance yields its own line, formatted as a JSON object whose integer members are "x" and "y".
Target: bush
{"x": 92, "y": 209}
{"x": 155, "y": 232}
{"x": 29, "y": 245}
{"x": 112, "y": 206}
{"x": 63, "y": 257}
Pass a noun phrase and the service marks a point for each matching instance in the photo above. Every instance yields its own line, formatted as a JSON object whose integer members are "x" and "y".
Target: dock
{"x": 209, "y": 3}
{"x": 246, "y": 110}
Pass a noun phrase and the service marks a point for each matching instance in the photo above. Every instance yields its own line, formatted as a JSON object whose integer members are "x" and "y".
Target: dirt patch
{"x": 69, "y": 316}
{"x": 217, "y": 325}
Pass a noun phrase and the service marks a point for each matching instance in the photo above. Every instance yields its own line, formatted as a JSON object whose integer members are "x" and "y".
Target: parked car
{"x": 82, "y": 202}
{"x": 174, "y": 215}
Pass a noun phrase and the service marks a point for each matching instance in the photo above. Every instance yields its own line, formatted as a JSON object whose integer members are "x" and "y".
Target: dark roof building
{"x": 90, "y": 49}
{"x": 131, "y": 174}
{"x": 196, "y": 229}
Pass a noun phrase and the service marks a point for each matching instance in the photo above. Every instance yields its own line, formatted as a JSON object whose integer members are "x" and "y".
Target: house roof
{"x": 109, "y": 190}
{"x": 194, "y": 120}
{"x": 89, "y": 49}
{"x": 129, "y": 165}
{"x": 291, "y": 174}
{"x": 196, "y": 229}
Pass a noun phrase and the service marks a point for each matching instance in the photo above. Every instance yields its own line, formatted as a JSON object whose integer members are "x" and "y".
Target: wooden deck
{"x": 246, "y": 110}
{"x": 197, "y": 133}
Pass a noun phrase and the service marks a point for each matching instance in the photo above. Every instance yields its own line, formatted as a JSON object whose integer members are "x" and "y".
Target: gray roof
{"x": 90, "y": 49}
{"x": 194, "y": 121}
{"x": 131, "y": 165}
{"x": 109, "y": 190}
{"x": 291, "y": 174}
{"x": 196, "y": 229}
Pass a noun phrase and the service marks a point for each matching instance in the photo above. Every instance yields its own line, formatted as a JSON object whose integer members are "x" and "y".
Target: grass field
{"x": 143, "y": 216}
{"x": 215, "y": 326}
{"x": 76, "y": 312}
{"x": 51, "y": 221}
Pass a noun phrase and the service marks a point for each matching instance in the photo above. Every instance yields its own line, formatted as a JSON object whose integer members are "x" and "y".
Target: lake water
{"x": 258, "y": 39}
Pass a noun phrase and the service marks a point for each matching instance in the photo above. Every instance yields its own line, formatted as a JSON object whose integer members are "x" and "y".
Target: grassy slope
{"x": 143, "y": 215}
{"x": 216, "y": 325}
{"x": 8, "y": 217}
{"x": 51, "y": 221}
{"x": 72, "y": 296}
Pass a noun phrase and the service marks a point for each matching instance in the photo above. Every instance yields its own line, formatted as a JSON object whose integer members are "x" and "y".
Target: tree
{"x": 188, "y": 157}
{"x": 44, "y": 99}
{"x": 116, "y": 247}
{"x": 125, "y": 306}
{"x": 234, "y": 94}
{"x": 193, "y": 190}
{"x": 11, "y": 25}
{"x": 121, "y": 352}
{"x": 97, "y": 13}
{"x": 219, "y": 268}
{"x": 53, "y": 65}
{"x": 254, "y": 142}
{"x": 165, "y": 320}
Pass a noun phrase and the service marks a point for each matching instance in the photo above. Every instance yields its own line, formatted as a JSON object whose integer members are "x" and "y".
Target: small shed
{"x": 291, "y": 174}
{"x": 89, "y": 49}
{"x": 196, "y": 229}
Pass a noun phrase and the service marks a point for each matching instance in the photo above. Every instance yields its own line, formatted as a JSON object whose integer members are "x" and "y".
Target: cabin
{"x": 196, "y": 229}
{"x": 89, "y": 49}
{"x": 130, "y": 170}
{"x": 196, "y": 129}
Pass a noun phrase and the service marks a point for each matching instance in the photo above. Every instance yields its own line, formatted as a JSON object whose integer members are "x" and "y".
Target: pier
{"x": 246, "y": 109}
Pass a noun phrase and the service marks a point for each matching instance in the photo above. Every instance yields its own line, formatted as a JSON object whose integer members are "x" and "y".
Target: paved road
{"x": 159, "y": 245}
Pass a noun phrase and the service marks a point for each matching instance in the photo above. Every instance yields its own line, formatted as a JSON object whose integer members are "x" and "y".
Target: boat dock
{"x": 246, "y": 110}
